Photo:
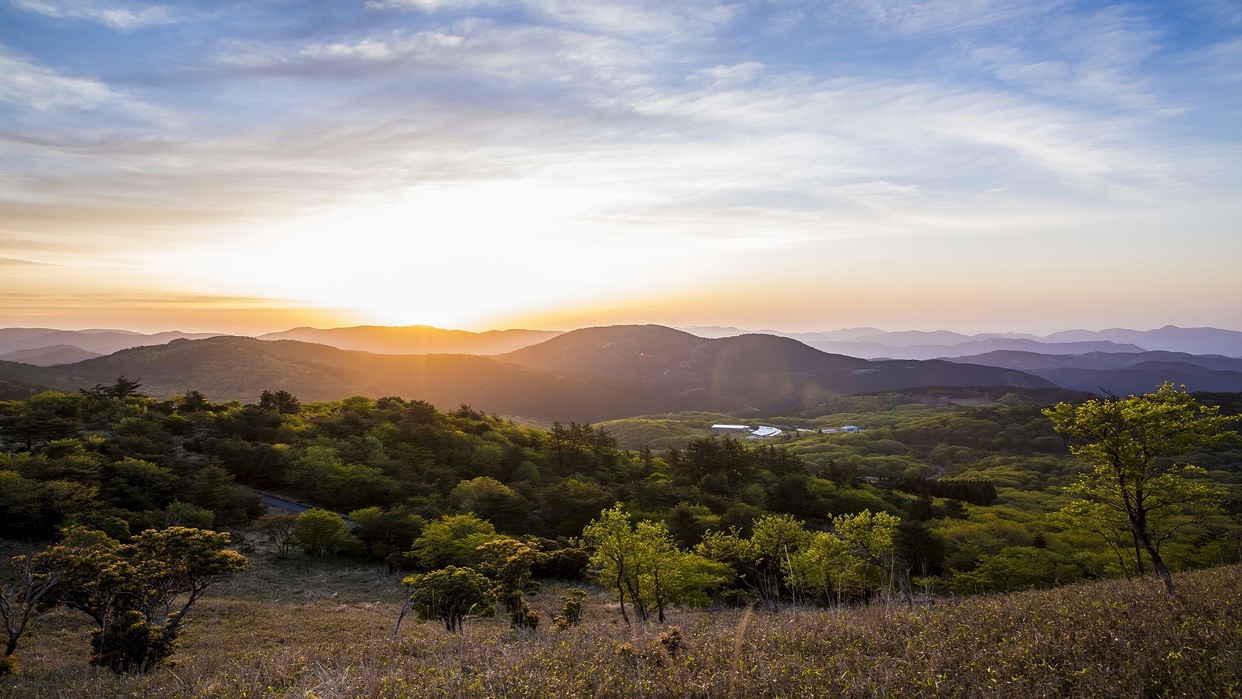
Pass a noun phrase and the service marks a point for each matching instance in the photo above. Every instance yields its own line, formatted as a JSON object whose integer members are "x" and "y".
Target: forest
{"x": 937, "y": 496}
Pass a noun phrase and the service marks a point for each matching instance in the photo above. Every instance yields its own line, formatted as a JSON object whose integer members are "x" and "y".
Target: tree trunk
{"x": 1158, "y": 564}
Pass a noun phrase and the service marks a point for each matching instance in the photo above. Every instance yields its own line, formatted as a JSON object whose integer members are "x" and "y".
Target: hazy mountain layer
{"x": 586, "y": 375}
{"x": 871, "y": 343}
{"x": 49, "y": 356}
{"x": 765, "y": 372}
{"x": 1124, "y": 373}
{"x": 415, "y": 339}
{"x": 96, "y": 341}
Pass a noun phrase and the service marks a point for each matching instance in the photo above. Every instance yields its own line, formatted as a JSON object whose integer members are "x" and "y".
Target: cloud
{"x": 15, "y": 262}
{"x": 431, "y": 5}
{"x": 24, "y": 82}
{"x": 125, "y": 17}
{"x": 912, "y": 17}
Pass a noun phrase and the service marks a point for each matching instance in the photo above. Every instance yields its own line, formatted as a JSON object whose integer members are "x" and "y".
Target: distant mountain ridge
{"x": 1123, "y": 373}
{"x": 98, "y": 342}
{"x": 591, "y": 374}
{"x": 49, "y": 356}
{"x": 585, "y": 375}
{"x": 872, "y": 343}
{"x": 415, "y": 339}
{"x": 764, "y": 373}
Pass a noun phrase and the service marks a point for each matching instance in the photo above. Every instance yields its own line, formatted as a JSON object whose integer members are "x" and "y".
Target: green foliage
{"x": 1131, "y": 444}
{"x": 644, "y": 566}
{"x": 495, "y": 502}
{"x": 571, "y": 609}
{"x": 184, "y": 514}
{"x": 453, "y": 540}
{"x": 450, "y": 595}
{"x": 386, "y": 532}
{"x": 139, "y": 594}
{"x": 319, "y": 532}
{"x": 508, "y": 563}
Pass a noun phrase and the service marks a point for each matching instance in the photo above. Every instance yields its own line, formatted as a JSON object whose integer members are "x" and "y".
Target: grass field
{"x": 323, "y": 629}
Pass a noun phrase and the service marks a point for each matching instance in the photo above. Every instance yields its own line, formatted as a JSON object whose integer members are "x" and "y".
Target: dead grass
{"x": 322, "y": 629}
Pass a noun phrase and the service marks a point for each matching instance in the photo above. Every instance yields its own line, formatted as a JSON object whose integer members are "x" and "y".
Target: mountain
{"x": 48, "y": 356}
{"x": 765, "y": 373}
{"x": 239, "y": 368}
{"x": 1034, "y": 362}
{"x": 1123, "y": 373}
{"x": 96, "y": 341}
{"x": 415, "y": 339}
{"x": 584, "y": 376}
{"x": 969, "y": 348}
{"x": 1145, "y": 378}
{"x": 871, "y": 343}
{"x": 1169, "y": 338}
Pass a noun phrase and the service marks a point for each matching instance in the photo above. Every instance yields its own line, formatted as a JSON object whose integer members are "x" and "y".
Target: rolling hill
{"x": 239, "y": 368}
{"x": 764, "y": 373}
{"x": 584, "y": 376}
{"x": 1123, "y": 373}
{"x": 415, "y": 339}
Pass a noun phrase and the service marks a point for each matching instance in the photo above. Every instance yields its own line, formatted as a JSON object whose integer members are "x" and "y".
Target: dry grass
{"x": 323, "y": 630}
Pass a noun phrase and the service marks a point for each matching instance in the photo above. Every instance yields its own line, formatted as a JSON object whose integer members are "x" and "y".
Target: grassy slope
{"x": 301, "y": 629}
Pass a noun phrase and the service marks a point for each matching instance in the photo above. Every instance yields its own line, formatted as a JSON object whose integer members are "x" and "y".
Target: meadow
{"x": 312, "y": 628}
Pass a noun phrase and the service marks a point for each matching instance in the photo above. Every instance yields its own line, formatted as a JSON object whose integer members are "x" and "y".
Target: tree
{"x": 763, "y": 561}
{"x": 138, "y": 594}
{"x": 495, "y": 502}
{"x": 19, "y": 600}
{"x": 452, "y": 540}
{"x": 1132, "y": 444}
{"x": 507, "y": 562}
{"x": 279, "y": 529}
{"x": 282, "y": 402}
{"x": 643, "y": 563}
{"x": 868, "y": 537}
{"x": 449, "y": 595}
{"x": 386, "y": 532}
{"x": 320, "y": 532}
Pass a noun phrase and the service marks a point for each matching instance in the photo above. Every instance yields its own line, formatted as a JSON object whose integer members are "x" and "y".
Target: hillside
{"x": 415, "y": 339}
{"x": 239, "y": 368}
{"x": 1123, "y": 373}
{"x": 315, "y": 628}
{"x": 583, "y": 376}
{"x": 766, "y": 372}
{"x": 94, "y": 341}
{"x": 50, "y": 356}
{"x": 872, "y": 343}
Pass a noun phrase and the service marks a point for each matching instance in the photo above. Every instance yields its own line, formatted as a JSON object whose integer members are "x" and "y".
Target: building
{"x": 730, "y": 429}
{"x": 765, "y": 432}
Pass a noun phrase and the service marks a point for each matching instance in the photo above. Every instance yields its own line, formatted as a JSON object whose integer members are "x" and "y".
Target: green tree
{"x": 282, "y": 402}
{"x": 642, "y": 563}
{"x": 386, "y": 532}
{"x": 868, "y": 537}
{"x": 508, "y": 562}
{"x": 319, "y": 532}
{"x": 138, "y": 594}
{"x": 495, "y": 502}
{"x": 1132, "y": 444}
{"x": 761, "y": 562}
{"x": 449, "y": 595}
{"x": 452, "y": 540}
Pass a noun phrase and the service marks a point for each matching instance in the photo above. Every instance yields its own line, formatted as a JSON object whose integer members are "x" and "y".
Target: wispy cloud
{"x": 16, "y": 262}
{"x": 25, "y": 82}
{"x": 117, "y": 15}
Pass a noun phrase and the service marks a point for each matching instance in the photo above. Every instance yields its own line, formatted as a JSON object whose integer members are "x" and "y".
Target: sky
{"x": 970, "y": 165}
